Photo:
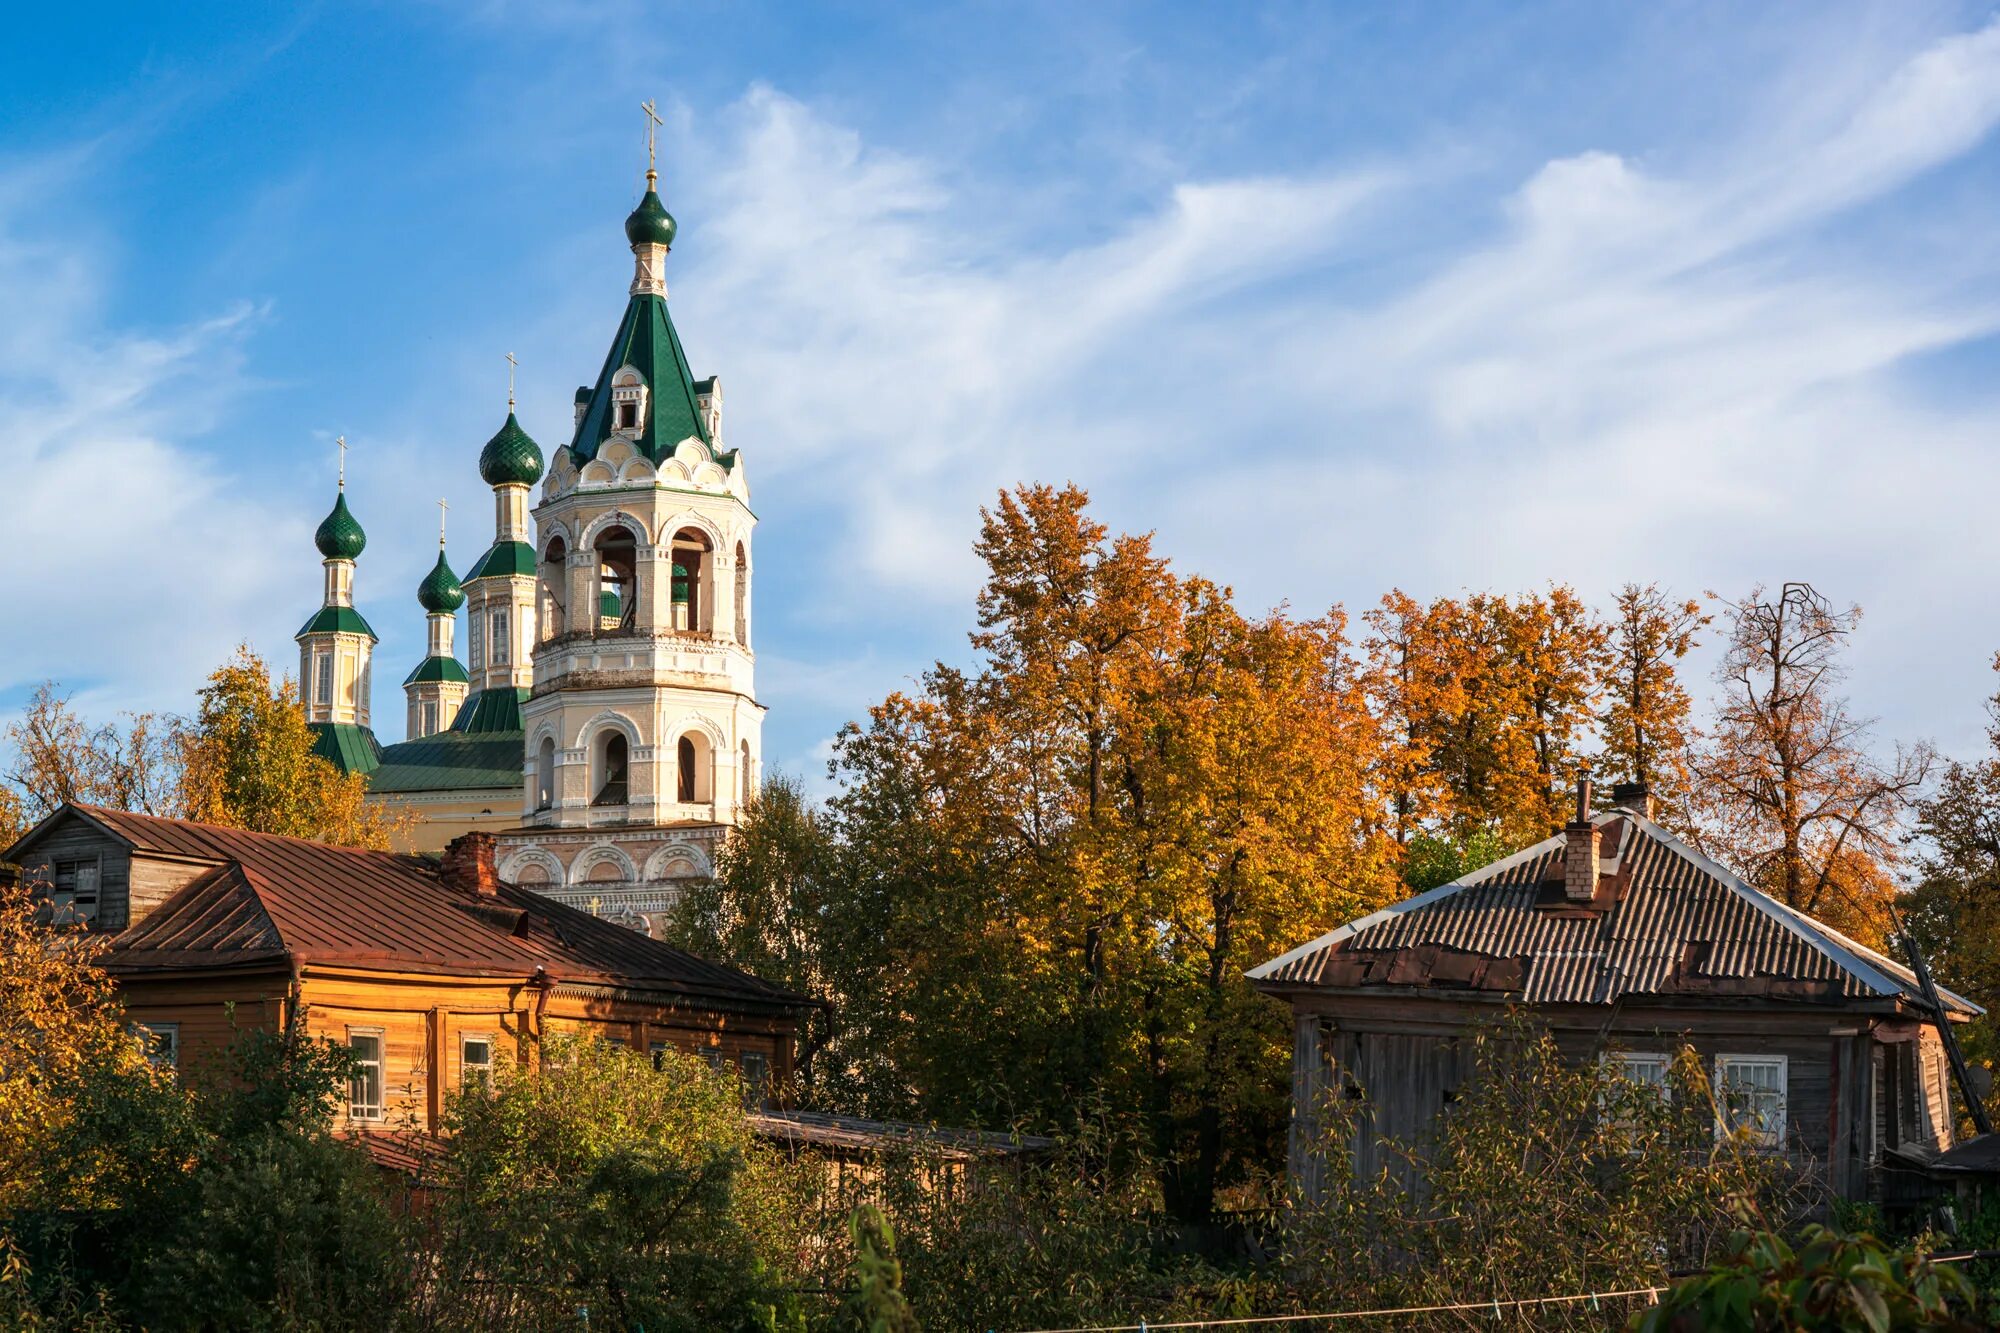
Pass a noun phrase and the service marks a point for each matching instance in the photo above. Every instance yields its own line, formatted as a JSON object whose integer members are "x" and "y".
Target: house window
{"x": 1750, "y": 1095}
{"x": 500, "y": 638}
{"x": 474, "y": 641}
{"x": 161, "y": 1042}
{"x": 611, "y": 791}
{"x": 756, "y": 1079}
{"x": 475, "y": 1060}
{"x": 430, "y": 719}
{"x": 658, "y": 1051}
{"x": 1648, "y": 1069}
{"x": 715, "y": 1058}
{"x": 364, "y": 1093}
{"x": 323, "y": 678}
{"x": 74, "y": 892}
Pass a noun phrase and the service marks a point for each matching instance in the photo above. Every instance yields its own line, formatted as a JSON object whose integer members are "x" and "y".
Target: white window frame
{"x": 357, "y": 1109}
{"x": 1773, "y": 1136}
{"x": 500, "y": 647}
{"x": 161, "y": 1043}
{"x": 475, "y": 641}
{"x": 1629, "y": 1061}
{"x": 467, "y": 1068}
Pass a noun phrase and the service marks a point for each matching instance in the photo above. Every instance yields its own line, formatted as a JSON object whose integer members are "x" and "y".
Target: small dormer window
{"x": 628, "y": 401}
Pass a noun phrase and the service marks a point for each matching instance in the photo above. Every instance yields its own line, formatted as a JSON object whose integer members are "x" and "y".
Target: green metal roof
{"x": 647, "y": 342}
{"x": 347, "y": 746}
{"x": 339, "y": 536}
{"x": 510, "y": 457}
{"x": 440, "y": 591}
{"x": 503, "y": 560}
{"x": 450, "y": 761}
{"x": 436, "y": 669}
{"x": 491, "y": 711}
{"x": 336, "y": 620}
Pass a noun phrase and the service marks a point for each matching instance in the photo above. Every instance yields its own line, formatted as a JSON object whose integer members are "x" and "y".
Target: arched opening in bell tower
{"x": 617, "y": 578}
{"x": 610, "y": 774}
{"x": 742, "y": 596}
{"x": 545, "y": 774}
{"x": 552, "y": 588}
{"x": 694, "y": 764}
{"x": 693, "y": 586}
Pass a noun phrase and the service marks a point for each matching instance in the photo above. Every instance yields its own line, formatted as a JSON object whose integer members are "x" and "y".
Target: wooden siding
{"x": 423, "y": 1019}
{"x": 154, "y": 879}
{"x": 1403, "y": 1064}
{"x": 73, "y": 840}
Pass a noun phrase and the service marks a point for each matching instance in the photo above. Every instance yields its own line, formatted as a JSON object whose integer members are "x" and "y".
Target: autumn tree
{"x": 1487, "y": 708}
{"x": 248, "y": 763}
{"x": 1791, "y": 794}
{"x": 1645, "y": 719}
{"x": 60, "y": 757}
{"x": 1065, "y": 859}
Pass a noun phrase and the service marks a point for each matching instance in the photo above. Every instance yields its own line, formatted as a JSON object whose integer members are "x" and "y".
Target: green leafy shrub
{"x": 1833, "y": 1280}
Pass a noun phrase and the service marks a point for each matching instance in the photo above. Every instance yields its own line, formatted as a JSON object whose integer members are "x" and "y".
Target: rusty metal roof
{"x": 273, "y": 898}
{"x": 1666, "y": 921}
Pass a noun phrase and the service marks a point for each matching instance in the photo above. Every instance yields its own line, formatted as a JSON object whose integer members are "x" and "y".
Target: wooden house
{"x": 431, "y": 973}
{"x": 1628, "y": 944}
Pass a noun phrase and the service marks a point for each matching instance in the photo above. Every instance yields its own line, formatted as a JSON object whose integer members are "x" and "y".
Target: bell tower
{"x": 642, "y": 727}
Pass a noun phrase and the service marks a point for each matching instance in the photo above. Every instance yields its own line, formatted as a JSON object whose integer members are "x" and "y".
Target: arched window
{"x": 617, "y": 579}
{"x": 545, "y": 774}
{"x": 742, "y": 596}
{"x": 693, "y": 572}
{"x": 694, "y": 768}
{"x": 611, "y": 771}
{"x": 554, "y": 588}
{"x": 531, "y": 875}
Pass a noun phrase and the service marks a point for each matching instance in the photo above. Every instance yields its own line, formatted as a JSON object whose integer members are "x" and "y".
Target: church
{"x": 604, "y": 723}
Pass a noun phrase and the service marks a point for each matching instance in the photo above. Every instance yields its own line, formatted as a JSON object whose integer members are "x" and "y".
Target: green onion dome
{"x": 650, "y": 223}
{"x": 340, "y": 537}
{"x": 439, "y": 592}
{"x": 510, "y": 457}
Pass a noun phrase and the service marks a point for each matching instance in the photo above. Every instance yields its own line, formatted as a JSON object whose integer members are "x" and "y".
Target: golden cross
{"x": 653, "y": 123}
{"x": 341, "y": 440}
{"x": 442, "y": 506}
{"x": 511, "y": 363}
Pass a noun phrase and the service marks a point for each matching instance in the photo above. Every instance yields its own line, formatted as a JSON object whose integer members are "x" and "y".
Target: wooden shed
{"x": 1628, "y": 944}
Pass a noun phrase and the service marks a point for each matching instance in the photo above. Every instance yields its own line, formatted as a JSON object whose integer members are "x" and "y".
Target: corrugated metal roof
{"x": 1666, "y": 921}
{"x": 273, "y": 898}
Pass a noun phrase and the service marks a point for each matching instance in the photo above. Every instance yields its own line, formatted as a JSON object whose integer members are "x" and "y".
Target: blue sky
{"x": 1333, "y": 297}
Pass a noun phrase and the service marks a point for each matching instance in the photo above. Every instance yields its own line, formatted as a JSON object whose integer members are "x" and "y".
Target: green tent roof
{"x": 647, "y": 342}
{"x": 497, "y": 710}
{"x": 503, "y": 559}
{"x": 446, "y": 669}
{"x": 451, "y": 761}
{"x": 348, "y": 747}
{"x": 335, "y": 620}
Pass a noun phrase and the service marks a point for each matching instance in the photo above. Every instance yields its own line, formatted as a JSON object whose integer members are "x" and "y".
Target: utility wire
{"x": 1494, "y": 1306}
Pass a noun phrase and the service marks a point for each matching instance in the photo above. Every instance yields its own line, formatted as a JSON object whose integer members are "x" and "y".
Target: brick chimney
{"x": 468, "y": 866}
{"x": 1634, "y": 796}
{"x": 1580, "y": 850}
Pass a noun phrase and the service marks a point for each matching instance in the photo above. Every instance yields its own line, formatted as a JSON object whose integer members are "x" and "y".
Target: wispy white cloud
{"x": 134, "y": 564}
